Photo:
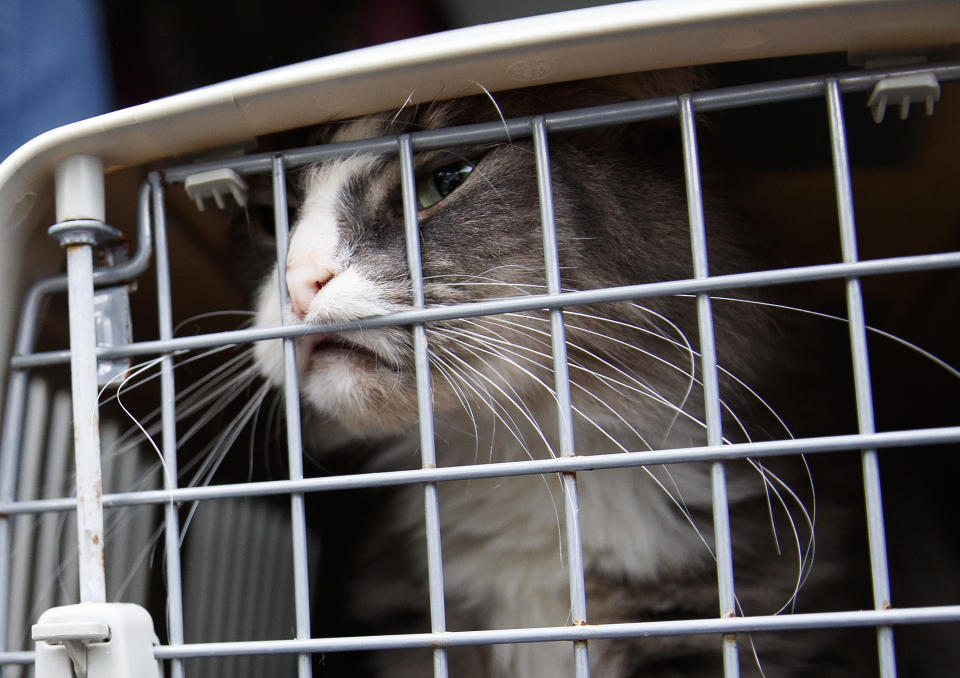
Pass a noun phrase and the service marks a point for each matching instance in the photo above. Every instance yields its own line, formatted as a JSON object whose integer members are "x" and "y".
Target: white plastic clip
{"x": 904, "y": 89}
{"x": 97, "y": 640}
{"x": 74, "y": 637}
{"x": 216, "y": 184}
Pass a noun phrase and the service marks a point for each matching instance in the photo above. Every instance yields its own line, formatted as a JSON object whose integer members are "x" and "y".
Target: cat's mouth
{"x": 317, "y": 347}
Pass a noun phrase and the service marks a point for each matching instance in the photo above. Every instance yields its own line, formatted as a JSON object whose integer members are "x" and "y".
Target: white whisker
{"x": 950, "y": 369}
{"x": 516, "y": 402}
{"x": 600, "y": 429}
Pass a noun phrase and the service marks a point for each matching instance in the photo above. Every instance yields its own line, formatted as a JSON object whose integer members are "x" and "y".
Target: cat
{"x": 647, "y": 534}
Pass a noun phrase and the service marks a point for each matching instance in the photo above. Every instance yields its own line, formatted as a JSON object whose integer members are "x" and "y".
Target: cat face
{"x": 620, "y": 219}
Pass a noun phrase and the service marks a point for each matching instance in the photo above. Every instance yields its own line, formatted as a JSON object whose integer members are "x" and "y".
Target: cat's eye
{"x": 437, "y": 185}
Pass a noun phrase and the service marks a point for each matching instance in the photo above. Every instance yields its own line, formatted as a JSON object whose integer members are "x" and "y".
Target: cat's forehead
{"x": 362, "y": 128}
{"x": 413, "y": 118}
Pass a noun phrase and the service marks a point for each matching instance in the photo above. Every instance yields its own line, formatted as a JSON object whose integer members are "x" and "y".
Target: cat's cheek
{"x": 268, "y": 355}
{"x": 268, "y": 358}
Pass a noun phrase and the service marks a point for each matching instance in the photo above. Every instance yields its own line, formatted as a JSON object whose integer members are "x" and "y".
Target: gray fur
{"x": 621, "y": 219}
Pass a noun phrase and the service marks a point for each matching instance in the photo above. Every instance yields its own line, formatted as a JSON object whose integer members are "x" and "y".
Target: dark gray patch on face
{"x": 620, "y": 213}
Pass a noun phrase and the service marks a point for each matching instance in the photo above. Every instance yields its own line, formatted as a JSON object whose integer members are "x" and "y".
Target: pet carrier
{"x": 164, "y": 490}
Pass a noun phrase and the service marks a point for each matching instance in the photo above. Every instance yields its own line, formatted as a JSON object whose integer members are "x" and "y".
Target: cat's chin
{"x": 353, "y": 387}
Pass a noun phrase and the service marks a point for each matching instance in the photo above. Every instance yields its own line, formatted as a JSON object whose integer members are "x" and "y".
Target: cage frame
{"x": 684, "y": 108}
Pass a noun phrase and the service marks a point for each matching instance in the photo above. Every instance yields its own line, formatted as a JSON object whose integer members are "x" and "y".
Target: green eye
{"x": 434, "y": 187}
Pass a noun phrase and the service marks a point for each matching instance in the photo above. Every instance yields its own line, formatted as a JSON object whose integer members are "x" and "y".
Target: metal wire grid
{"x": 568, "y": 463}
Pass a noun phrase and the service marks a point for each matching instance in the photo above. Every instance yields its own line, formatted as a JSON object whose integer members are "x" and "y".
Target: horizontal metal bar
{"x": 598, "y": 116}
{"x": 776, "y": 448}
{"x": 786, "y": 622}
{"x": 782, "y": 276}
{"x": 770, "y": 623}
{"x": 22, "y": 658}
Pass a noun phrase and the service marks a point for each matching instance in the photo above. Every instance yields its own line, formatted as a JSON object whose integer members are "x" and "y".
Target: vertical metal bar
{"x": 711, "y": 390}
{"x": 9, "y": 468}
{"x": 861, "y": 376}
{"x": 578, "y": 596}
{"x": 428, "y": 456}
{"x": 86, "y": 423}
{"x": 10, "y": 447}
{"x": 291, "y": 394}
{"x": 12, "y": 438}
{"x": 80, "y": 196}
{"x": 169, "y": 427}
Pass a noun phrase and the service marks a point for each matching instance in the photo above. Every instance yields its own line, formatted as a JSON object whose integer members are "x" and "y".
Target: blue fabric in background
{"x": 54, "y": 67}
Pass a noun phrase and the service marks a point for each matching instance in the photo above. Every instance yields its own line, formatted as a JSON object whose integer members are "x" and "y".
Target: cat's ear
{"x": 323, "y": 133}
{"x": 317, "y": 135}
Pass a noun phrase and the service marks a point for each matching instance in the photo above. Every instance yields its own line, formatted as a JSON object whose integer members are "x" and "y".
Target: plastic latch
{"x": 74, "y": 637}
{"x": 904, "y": 90}
{"x": 216, "y": 184}
{"x": 95, "y": 640}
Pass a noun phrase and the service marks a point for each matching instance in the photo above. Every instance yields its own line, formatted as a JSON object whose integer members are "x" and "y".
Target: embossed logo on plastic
{"x": 531, "y": 70}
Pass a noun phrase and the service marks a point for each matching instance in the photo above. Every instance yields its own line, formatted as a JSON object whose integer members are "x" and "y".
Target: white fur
{"x": 334, "y": 383}
{"x": 519, "y": 577}
{"x": 269, "y": 354}
{"x": 316, "y": 230}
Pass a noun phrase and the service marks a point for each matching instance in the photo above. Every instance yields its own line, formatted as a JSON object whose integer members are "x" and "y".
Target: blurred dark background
{"x": 65, "y": 60}
{"x": 158, "y": 49}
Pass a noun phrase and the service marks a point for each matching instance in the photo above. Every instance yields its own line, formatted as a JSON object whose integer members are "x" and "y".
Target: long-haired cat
{"x": 635, "y": 377}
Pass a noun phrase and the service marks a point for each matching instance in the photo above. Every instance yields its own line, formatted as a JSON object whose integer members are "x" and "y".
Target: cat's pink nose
{"x": 304, "y": 280}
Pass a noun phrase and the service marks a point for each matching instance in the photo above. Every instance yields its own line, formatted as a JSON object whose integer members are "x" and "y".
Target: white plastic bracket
{"x": 216, "y": 184}
{"x": 904, "y": 90}
{"x": 95, "y": 640}
{"x": 74, "y": 637}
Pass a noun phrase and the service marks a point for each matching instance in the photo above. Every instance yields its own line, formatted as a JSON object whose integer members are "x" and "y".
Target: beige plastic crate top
{"x": 618, "y": 38}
